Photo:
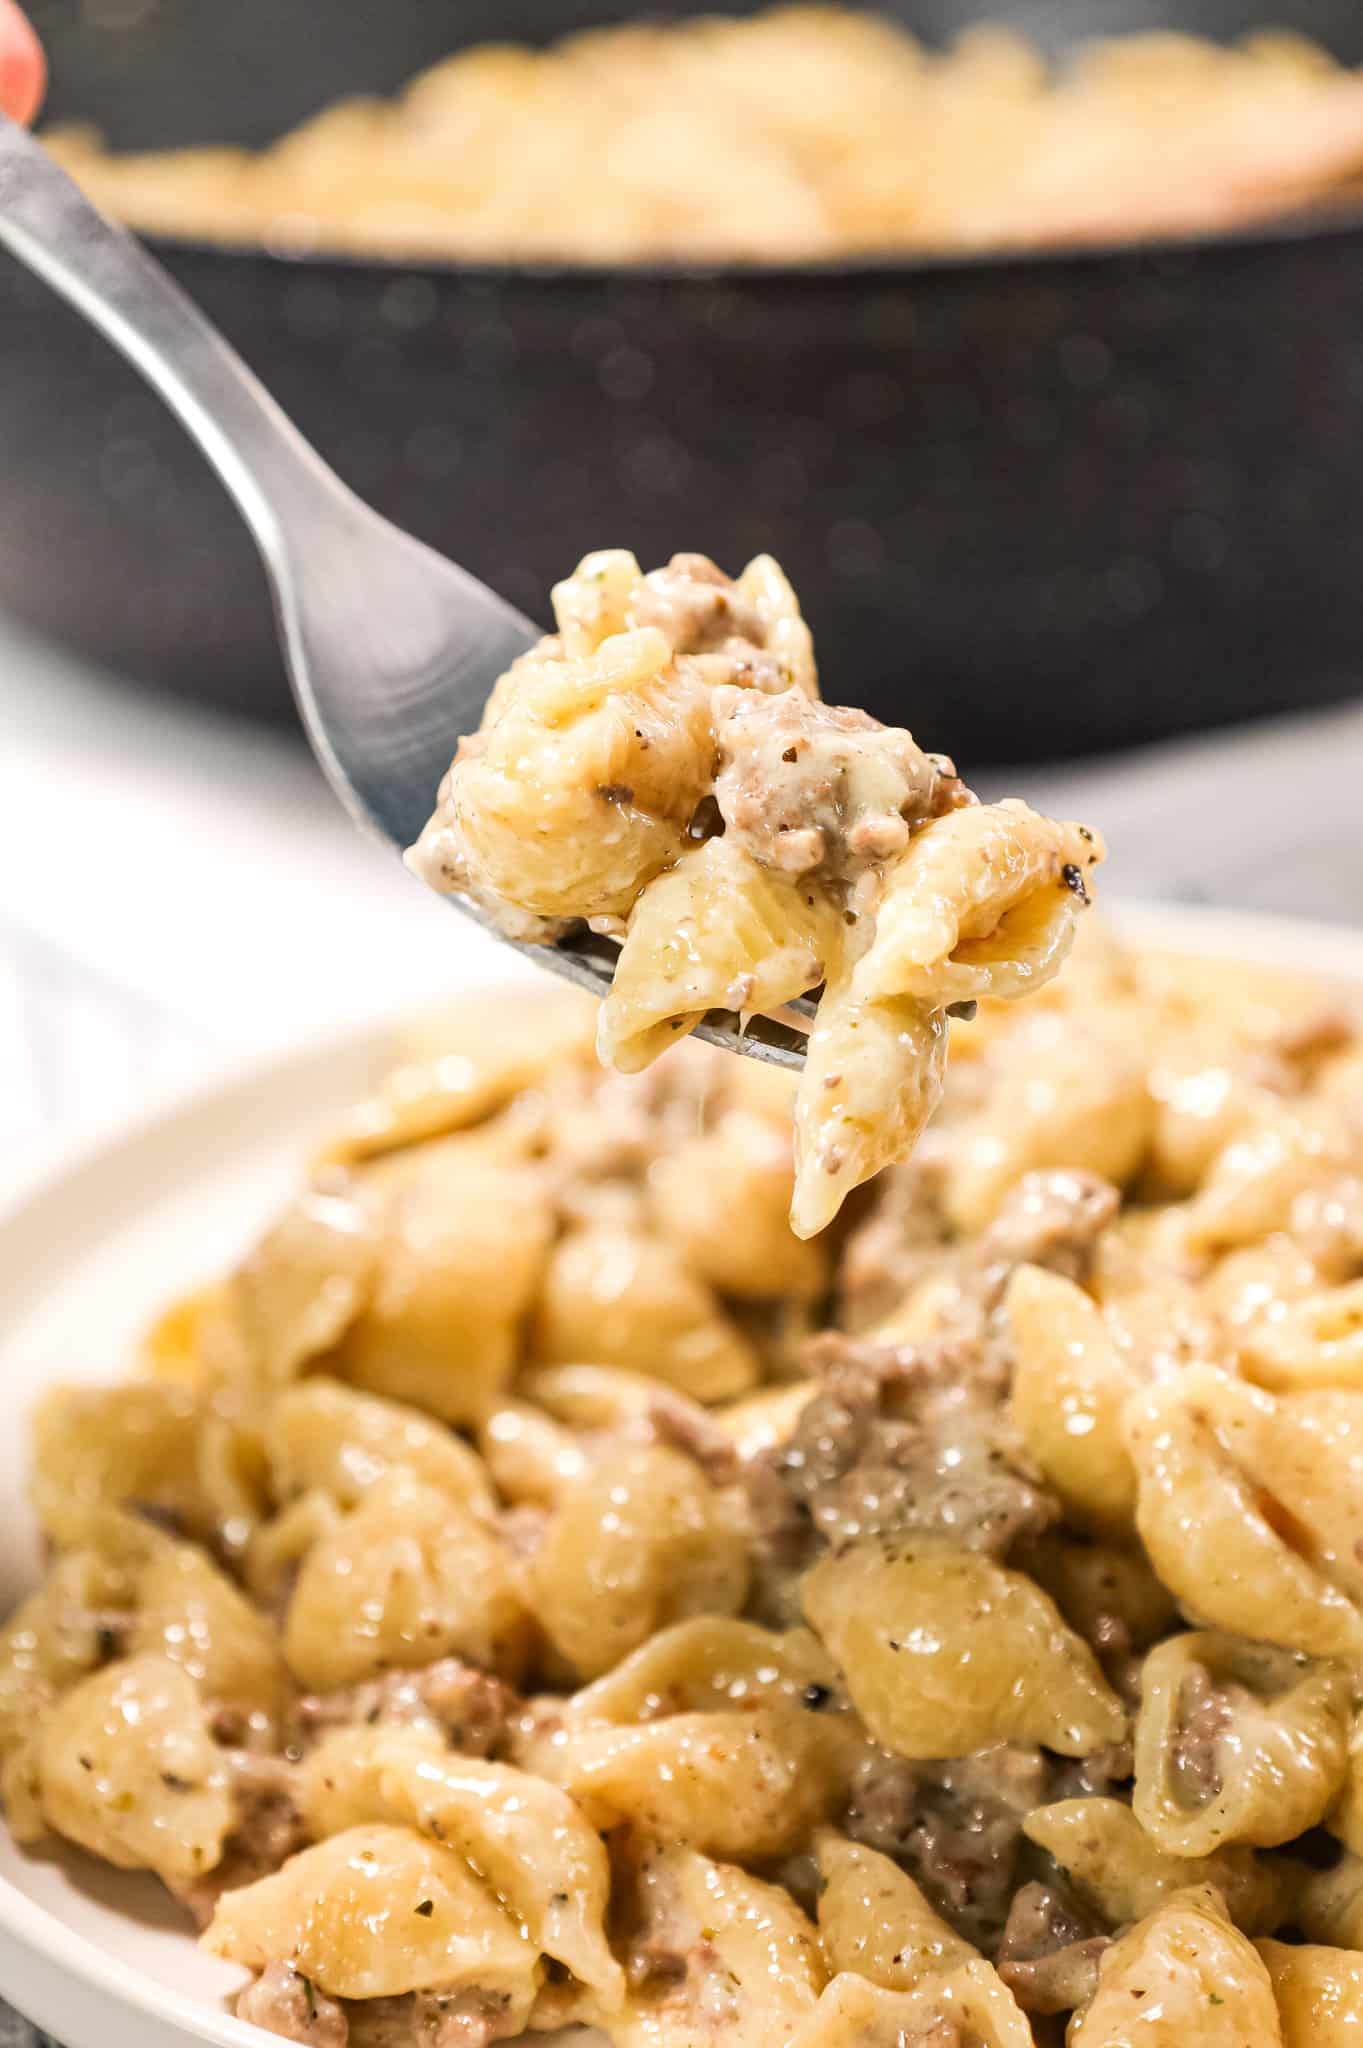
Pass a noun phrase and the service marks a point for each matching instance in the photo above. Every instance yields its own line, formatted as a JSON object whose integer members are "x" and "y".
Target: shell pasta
{"x": 534, "y": 1589}
{"x": 663, "y": 769}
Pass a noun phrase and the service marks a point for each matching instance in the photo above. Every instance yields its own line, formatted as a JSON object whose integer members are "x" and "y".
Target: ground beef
{"x": 268, "y": 1830}
{"x": 1097, "y": 1776}
{"x": 800, "y": 1875}
{"x": 284, "y": 2001}
{"x": 269, "y": 1825}
{"x": 457, "y": 2018}
{"x": 955, "y": 1825}
{"x": 899, "y": 1443}
{"x": 608, "y": 1128}
{"x": 1052, "y": 1219}
{"x": 681, "y": 1424}
{"x": 653, "y": 1961}
{"x": 697, "y": 608}
{"x": 903, "y": 1241}
{"x": 1323, "y": 1030}
{"x": 692, "y": 1982}
{"x": 805, "y": 786}
{"x": 1050, "y": 1950}
{"x": 883, "y": 1803}
{"x": 965, "y": 1839}
{"x": 669, "y": 1957}
{"x": 783, "y": 1542}
{"x": 1108, "y": 1595}
{"x": 755, "y": 668}
{"x": 471, "y": 1709}
{"x": 1194, "y": 1759}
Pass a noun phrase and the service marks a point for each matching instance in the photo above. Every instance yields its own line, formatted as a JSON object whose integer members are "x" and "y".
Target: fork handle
{"x": 120, "y": 288}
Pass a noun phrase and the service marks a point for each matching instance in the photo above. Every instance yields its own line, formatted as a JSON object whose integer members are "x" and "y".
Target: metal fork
{"x": 391, "y": 650}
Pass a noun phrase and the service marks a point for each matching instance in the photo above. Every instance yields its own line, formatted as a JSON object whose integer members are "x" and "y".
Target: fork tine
{"x": 589, "y": 959}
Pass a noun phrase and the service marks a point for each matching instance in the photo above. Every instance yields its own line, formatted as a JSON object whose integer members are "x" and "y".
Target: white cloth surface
{"x": 176, "y": 890}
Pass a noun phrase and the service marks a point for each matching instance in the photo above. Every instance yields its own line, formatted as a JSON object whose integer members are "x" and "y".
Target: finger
{"x": 23, "y": 71}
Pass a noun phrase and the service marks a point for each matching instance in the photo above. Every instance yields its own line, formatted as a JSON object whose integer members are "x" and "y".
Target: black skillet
{"x": 1032, "y": 506}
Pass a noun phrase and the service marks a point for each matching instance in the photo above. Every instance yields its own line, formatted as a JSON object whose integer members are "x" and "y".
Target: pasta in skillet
{"x": 938, "y": 1632}
{"x": 663, "y": 769}
{"x": 803, "y": 133}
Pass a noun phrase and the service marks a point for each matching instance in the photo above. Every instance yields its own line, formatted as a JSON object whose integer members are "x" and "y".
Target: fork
{"x": 390, "y": 649}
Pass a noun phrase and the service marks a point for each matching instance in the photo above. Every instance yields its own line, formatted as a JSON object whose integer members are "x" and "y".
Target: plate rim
{"x": 1273, "y": 942}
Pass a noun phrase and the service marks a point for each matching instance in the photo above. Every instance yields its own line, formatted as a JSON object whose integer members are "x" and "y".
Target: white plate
{"x": 99, "y": 1957}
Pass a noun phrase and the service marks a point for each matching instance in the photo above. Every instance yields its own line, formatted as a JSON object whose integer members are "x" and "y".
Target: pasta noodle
{"x": 625, "y": 1297}
{"x": 874, "y": 1922}
{"x": 376, "y": 1912}
{"x": 404, "y": 1578}
{"x": 745, "y": 1786}
{"x": 324, "y": 1438}
{"x": 1249, "y": 1507}
{"x": 1070, "y": 1386}
{"x": 1057, "y": 1093}
{"x": 939, "y": 1632}
{"x": 1236, "y": 1743}
{"x": 96, "y": 1446}
{"x": 529, "y": 1840}
{"x": 722, "y": 1199}
{"x": 1316, "y": 1342}
{"x": 949, "y": 1651}
{"x": 717, "y": 932}
{"x": 459, "y": 1262}
{"x": 971, "y": 2003}
{"x": 127, "y": 1768}
{"x": 642, "y": 1541}
{"x": 1181, "y": 1969}
{"x": 663, "y": 770}
{"x": 1319, "y": 1992}
{"x": 1109, "y": 1857}
{"x": 715, "y": 1936}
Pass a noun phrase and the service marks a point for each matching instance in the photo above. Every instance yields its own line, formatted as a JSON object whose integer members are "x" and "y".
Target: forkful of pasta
{"x": 660, "y": 780}
{"x": 653, "y": 800}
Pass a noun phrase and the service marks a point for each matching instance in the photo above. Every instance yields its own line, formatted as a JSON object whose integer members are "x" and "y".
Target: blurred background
{"x": 1089, "y": 517}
